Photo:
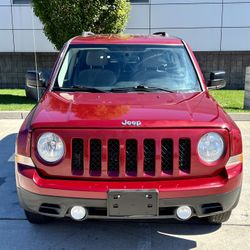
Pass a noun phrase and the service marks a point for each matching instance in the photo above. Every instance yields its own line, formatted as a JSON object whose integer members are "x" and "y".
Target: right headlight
{"x": 211, "y": 147}
{"x": 50, "y": 147}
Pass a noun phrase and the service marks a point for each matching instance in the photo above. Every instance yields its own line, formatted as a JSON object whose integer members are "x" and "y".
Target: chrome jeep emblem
{"x": 131, "y": 123}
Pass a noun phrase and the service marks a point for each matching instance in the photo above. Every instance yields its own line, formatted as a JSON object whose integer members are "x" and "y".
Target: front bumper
{"x": 207, "y": 196}
{"x": 98, "y": 208}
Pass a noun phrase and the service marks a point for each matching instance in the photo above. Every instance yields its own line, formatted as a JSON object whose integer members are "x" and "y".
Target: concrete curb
{"x": 240, "y": 116}
{"x": 23, "y": 114}
{"x": 13, "y": 114}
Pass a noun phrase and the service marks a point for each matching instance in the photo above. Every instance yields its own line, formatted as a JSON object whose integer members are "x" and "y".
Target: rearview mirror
{"x": 35, "y": 79}
{"x": 217, "y": 80}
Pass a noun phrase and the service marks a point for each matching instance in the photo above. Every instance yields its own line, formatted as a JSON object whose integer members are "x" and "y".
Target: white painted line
{"x": 6, "y": 132}
{"x": 12, "y": 158}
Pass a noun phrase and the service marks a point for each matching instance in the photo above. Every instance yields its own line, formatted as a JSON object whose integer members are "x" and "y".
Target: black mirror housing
{"x": 35, "y": 79}
{"x": 217, "y": 80}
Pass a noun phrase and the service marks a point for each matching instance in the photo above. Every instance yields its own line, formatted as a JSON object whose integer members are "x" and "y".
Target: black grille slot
{"x": 47, "y": 208}
{"x": 184, "y": 155}
{"x": 95, "y": 157}
{"x": 97, "y": 211}
{"x": 131, "y": 157}
{"x": 149, "y": 156}
{"x": 167, "y": 155}
{"x": 167, "y": 211}
{"x": 113, "y": 157}
{"x": 211, "y": 208}
{"x": 77, "y": 155}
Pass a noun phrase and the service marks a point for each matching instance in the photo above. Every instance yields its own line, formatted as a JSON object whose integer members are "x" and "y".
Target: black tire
{"x": 219, "y": 218}
{"x": 37, "y": 218}
{"x": 27, "y": 93}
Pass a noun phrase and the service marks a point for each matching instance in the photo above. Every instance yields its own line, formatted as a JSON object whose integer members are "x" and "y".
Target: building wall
{"x": 208, "y": 25}
{"x": 218, "y": 30}
{"x": 19, "y": 28}
{"x": 14, "y": 65}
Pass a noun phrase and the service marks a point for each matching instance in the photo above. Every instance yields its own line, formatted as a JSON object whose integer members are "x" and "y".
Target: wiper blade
{"x": 82, "y": 88}
{"x": 88, "y": 89}
{"x": 140, "y": 88}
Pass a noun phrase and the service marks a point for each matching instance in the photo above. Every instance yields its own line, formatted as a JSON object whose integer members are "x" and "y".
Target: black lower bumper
{"x": 202, "y": 206}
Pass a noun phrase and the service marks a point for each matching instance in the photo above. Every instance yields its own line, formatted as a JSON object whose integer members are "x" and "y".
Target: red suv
{"x": 127, "y": 129}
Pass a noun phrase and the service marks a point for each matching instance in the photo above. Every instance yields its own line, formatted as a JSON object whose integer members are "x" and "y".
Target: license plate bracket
{"x": 133, "y": 203}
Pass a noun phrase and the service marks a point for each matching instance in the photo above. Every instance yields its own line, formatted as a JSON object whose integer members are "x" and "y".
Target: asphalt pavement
{"x": 17, "y": 233}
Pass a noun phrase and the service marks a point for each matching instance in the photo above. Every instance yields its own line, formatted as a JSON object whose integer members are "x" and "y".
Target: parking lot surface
{"x": 17, "y": 233}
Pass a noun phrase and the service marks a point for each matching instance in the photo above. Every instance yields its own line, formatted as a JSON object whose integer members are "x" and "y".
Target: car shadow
{"x": 9, "y": 205}
{"x": 107, "y": 234}
{"x": 15, "y": 99}
{"x": 7, "y": 149}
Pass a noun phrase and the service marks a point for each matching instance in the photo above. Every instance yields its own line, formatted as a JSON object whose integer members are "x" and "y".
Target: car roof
{"x": 126, "y": 39}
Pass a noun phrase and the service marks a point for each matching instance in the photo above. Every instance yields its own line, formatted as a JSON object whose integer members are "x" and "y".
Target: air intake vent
{"x": 131, "y": 157}
{"x": 149, "y": 156}
{"x": 113, "y": 157}
{"x": 211, "y": 208}
{"x": 47, "y": 208}
{"x": 95, "y": 157}
{"x": 184, "y": 155}
{"x": 167, "y": 155}
{"x": 77, "y": 155}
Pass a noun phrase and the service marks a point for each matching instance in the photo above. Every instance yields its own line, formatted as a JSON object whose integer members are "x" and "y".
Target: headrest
{"x": 153, "y": 60}
{"x": 96, "y": 58}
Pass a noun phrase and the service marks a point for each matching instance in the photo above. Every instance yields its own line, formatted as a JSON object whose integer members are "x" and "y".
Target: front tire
{"x": 219, "y": 218}
{"x": 37, "y": 218}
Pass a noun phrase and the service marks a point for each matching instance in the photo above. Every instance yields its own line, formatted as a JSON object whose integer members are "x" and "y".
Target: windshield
{"x": 127, "y": 68}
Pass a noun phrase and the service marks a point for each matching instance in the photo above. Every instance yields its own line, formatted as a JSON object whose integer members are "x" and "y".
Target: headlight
{"x": 210, "y": 147}
{"x": 50, "y": 147}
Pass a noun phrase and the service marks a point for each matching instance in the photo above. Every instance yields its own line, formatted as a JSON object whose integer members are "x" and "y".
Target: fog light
{"x": 184, "y": 212}
{"x": 78, "y": 213}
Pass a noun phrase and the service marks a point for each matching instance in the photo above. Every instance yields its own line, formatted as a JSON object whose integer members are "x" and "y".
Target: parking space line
{"x": 5, "y": 132}
{"x": 12, "y": 158}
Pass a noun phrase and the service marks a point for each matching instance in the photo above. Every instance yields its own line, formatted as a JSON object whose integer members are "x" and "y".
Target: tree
{"x": 63, "y": 19}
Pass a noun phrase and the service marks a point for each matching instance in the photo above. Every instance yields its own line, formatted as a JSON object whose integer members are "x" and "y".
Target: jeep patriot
{"x": 126, "y": 129}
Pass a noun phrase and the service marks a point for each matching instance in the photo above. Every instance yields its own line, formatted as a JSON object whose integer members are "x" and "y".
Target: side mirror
{"x": 34, "y": 79}
{"x": 217, "y": 80}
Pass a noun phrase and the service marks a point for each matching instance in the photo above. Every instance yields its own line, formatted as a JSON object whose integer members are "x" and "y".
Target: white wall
{"x": 208, "y": 25}
{"x": 17, "y": 26}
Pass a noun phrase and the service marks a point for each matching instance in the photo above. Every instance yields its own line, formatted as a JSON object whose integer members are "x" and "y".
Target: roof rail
{"x": 87, "y": 33}
{"x": 160, "y": 33}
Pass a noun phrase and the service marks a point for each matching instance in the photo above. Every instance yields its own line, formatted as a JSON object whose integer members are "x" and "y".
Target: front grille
{"x": 131, "y": 157}
{"x": 184, "y": 155}
{"x": 149, "y": 156}
{"x": 95, "y": 157}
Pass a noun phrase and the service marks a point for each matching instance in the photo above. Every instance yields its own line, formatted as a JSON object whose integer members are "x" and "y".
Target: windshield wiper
{"x": 141, "y": 88}
{"x": 81, "y": 88}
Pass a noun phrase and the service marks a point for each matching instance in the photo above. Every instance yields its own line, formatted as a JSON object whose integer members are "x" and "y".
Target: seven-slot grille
{"x": 113, "y": 159}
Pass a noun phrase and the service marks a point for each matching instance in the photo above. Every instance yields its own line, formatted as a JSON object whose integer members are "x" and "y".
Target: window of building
{"x": 139, "y": 1}
{"x": 21, "y": 1}
{"x": 29, "y": 1}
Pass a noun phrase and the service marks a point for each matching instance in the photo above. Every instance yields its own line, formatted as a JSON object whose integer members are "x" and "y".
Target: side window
{"x": 66, "y": 69}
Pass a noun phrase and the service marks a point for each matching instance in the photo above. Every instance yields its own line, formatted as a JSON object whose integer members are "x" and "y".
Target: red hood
{"x": 109, "y": 110}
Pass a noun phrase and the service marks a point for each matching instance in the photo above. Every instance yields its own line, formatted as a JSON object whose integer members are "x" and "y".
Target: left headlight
{"x": 211, "y": 147}
{"x": 50, "y": 147}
